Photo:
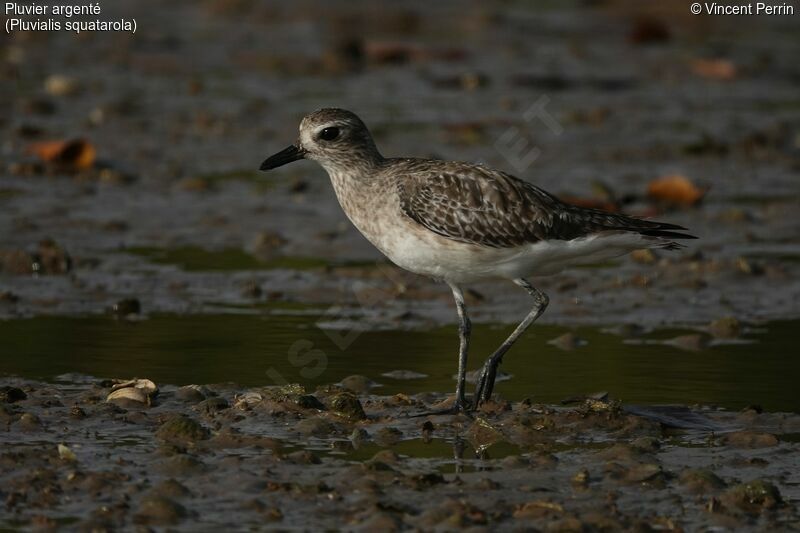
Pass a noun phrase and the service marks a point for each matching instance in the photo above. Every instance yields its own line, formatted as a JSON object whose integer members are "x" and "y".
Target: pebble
{"x": 193, "y": 393}
{"x": 725, "y": 328}
{"x": 181, "y": 429}
{"x": 10, "y": 394}
{"x": 701, "y": 480}
{"x": 357, "y": 383}
{"x": 315, "y": 427}
{"x": 346, "y": 405}
{"x": 568, "y": 342}
{"x": 159, "y": 510}
{"x": 61, "y": 85}
{"x": 754, "y": 496}
{"x": 750, "y": 440}
{"x": 126, "y": 307}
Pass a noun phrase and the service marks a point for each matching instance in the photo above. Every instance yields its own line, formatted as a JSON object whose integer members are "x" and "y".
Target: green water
{"x": 255, "y": 350}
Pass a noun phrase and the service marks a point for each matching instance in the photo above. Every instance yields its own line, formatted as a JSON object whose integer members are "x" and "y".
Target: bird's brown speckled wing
{"x": 473, "y": 204}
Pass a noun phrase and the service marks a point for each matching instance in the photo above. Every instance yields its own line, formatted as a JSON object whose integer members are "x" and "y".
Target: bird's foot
{"x": 483, "y": 390}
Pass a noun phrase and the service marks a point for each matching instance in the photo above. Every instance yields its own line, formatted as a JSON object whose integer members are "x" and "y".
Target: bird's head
{"x": 335, "y": 138}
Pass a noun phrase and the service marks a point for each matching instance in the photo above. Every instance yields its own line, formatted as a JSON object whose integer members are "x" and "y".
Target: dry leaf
{"x": 75, "y": 154}
{"x": 714, "y": 69}
{"x": 675, "y": 190}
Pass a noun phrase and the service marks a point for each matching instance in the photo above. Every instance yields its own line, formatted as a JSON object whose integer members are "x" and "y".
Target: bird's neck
{"x": 356, "y": 171}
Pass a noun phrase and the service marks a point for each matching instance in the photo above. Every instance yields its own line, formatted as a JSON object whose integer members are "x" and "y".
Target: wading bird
{"x": 461, "y": 223}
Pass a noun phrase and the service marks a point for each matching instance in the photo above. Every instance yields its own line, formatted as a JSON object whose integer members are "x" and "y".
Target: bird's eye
{"x": 329, "y": 134}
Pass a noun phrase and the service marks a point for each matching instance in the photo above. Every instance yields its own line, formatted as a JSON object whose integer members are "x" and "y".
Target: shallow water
{"x": 287, "y": 346}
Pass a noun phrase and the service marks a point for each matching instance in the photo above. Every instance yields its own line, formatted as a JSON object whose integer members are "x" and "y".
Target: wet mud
{"x": 76, "y": 453}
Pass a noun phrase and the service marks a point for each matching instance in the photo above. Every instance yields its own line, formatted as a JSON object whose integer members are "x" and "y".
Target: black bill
{"x": 287, "y": 155}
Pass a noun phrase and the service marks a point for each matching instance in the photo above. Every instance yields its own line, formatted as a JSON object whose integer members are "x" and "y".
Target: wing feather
{"x": 470, "y": 203}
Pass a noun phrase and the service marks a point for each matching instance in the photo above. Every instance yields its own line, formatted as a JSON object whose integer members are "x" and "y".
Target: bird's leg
{"x": 464, "y": 330}
{"x": 485, "y": 385}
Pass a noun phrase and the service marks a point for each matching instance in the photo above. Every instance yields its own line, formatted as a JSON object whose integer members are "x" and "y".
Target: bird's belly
{"x": 432, "y": 255}
{"x": 420, "y": 251}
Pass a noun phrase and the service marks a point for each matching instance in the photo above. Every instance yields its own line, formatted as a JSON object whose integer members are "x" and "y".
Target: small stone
{"x": 693, "y": 342}
{"x": 749, "y": 267}
{"x": 181, "y": 429}
{"x": 248, "y": 400}
{"x": 61, "y": 85}
{"x": 193, "y": 393}
{"x": 309, "y": 401}
{"x": 750, "y": 440}
{"x": 346, "y": 405}
{"x": 725, "y": 328}
{"x": 66, "y": 454}
{"x": 358, "y": 436}
{"x": 388, "y": 436}
{"x": 315, "y": 427}
{"x": 213, "y": 405}
{"x": 377, "y": 521}
{"x": 126, "y": 307}
{"x": 182, "y": 465}
{"x": 581, "y": 478}
{"x": 170, "y": 488}
{"x": 427, "y": 480}
{"x": 754, "y": 496}
{"x": 159, "y": 510}
{"x": 646, "y": 444}
{"x": 30, "y": 422}
{"x": 644, "y": 473}
{"x": 271, "y": 514}
{"x": 10, "y": 394}
{"x": 568, "y": 342}
{"x": 701, "y": 480}
{"x": 386, "y": 456}
{"x": 357, "y": 383}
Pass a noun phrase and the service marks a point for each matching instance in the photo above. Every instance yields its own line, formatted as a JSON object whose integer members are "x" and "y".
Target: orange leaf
{"x": 76, "y": 154}
{"x": 714, "y": 69}
{"x": 675, "y": 190}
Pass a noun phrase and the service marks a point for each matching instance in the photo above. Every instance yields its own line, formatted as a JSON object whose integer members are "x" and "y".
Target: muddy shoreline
{"x": 285, "y": 457}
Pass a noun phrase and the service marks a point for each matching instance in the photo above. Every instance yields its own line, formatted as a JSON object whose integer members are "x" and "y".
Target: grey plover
{"x": 461, "y": 222}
